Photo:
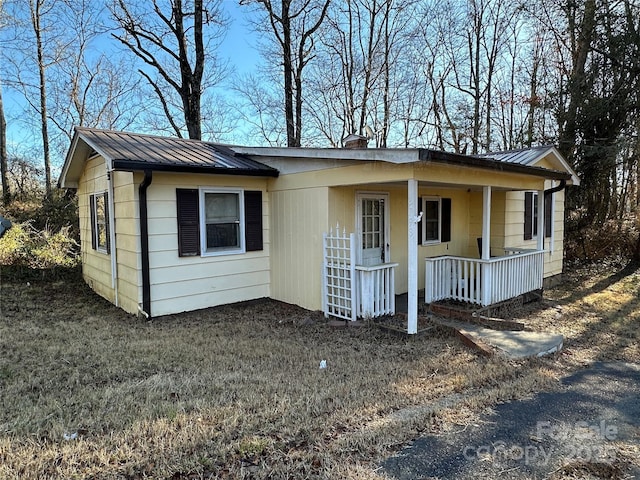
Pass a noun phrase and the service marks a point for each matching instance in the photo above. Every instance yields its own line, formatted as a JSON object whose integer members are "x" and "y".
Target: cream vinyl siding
{"x": 96, "y": 266}
{"x": 127, "y": 240}
{"x": 299, "y": 217}
{"x": 498, "y": 222}
{"x": 189, "y": 283}
{"x": 514, "y": 230}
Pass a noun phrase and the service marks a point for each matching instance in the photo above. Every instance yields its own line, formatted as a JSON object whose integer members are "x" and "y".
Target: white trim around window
{"x": 435, "y": 234}
{"x": 222, "y": 227}
{"x": 100, "y": 218}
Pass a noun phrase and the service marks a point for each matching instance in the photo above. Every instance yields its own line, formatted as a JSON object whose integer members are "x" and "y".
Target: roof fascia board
{"x": 575, "y": 179}
{"x": 62, "y": 180}
{"x": 401, "y": 156}
{"x": 71, "y": 157}
{"x": 491, "y": 164}
{"x": 140, "y": 166}
{"x": 103, "y": 154}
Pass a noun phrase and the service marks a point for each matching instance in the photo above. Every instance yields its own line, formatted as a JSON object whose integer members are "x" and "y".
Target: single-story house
{"x": 170, "y": 225}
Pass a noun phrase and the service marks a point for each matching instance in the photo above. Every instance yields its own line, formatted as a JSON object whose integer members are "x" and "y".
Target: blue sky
{"x": 239, "y": 47}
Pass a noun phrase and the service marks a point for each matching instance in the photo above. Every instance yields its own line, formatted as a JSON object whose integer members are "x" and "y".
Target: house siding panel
{"x": 127, "y": 241}
{"x": 187, "y": 283}
{"x": 299, "y": 218}
{"x": 96, "y": 266}
{"x": 514, "y": 215}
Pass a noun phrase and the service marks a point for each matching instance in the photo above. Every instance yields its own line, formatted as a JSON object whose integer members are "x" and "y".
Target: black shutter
{"x": 528, "y": 215}
{"x": 187, "y": 206}
{"x": 420, "y": 222}
{"x": 548, "y": 226}
{"x": 92, "y": 209}
{"x": 253, "y": 220}
{"x": 445, "y": 233}
{"x": 106, "y": 220}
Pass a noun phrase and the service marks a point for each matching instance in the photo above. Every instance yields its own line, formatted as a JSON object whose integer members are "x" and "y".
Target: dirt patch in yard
{"x": 88, "y": 391}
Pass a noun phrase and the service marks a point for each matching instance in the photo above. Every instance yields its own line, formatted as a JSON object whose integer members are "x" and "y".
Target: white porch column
{"x": 486, "y": 272}
{"x": 486, "y": 223}
{"x": 412, "y": 256}
{"x": 541, "y": 232}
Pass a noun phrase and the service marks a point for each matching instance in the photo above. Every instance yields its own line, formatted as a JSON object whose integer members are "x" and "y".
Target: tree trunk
{"x": 6, "y": 194}
{"x": 287, "y": 62}
{"x": 37, "y": 30}
{"x": 191, "y": 80}
{"x": 576, "y": 83}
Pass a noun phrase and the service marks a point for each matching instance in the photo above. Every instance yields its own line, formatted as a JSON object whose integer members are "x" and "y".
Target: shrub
{"x": 46, "y": 214}
{"x": 25, "y": 246}
{"x": 15, "y": 245}
{"x": 614, "y": 239}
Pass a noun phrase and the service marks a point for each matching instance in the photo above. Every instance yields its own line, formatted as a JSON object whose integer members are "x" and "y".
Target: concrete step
{"x": 510, "y": 343}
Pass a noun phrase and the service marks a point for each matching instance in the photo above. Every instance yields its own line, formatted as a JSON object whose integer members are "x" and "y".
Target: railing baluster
{"x": 483, "y": 281}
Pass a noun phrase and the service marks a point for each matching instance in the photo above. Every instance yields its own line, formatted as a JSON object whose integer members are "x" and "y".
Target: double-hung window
{"x": 435, "y": 225}
{"x": 431, "y": 219}
{"x": 218, "y": 221}
{"x": 531, "y": 215}
{"x": 223, "y": 222}
{"x": 99, "y": 207}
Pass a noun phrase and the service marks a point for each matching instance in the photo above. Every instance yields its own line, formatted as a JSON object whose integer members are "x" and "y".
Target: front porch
{"x": 353, "y": 291}
{"x": 360, "y": 280}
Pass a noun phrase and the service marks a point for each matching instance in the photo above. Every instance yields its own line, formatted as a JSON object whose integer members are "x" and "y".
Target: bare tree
{"x": 170, "y": 38}
{"x": 37, "y": 9}
{"x": 581, "y": 35}
{"x": 293, "y": 25}
{"x": 89, "y": 88}
{"x": 37, "y": 45}
{"x": 261, "y": 109}
{"x": 362, "y": 67}
{"x": 6, "y": 194}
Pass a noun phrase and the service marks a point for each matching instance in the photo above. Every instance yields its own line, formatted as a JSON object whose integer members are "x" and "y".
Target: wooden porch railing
{"x": 375, "y": 292}
{"x": 350, "y": 291}
{"x": 483, "y": 282}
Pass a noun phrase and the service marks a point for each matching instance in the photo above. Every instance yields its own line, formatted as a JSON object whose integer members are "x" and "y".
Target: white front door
{"x": 372, "y": 219}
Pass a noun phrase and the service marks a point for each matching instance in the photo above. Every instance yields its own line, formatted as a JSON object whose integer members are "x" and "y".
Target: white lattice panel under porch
{"x": 339, "y": 274}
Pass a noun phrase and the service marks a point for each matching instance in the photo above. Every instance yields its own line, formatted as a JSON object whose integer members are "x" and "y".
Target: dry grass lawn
{"x": 236, "y": 391}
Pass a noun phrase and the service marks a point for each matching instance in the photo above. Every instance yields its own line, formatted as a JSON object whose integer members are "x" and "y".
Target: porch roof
{"x": 295, "y": 160}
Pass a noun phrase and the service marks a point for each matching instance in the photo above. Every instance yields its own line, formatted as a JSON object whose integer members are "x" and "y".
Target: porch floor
{"x": 402, "y": 301}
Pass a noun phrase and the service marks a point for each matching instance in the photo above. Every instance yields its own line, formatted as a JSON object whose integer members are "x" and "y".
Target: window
{"x": 99, "y": 207}
{"x": 435, "y": 225}
{"x": 221, "y": 221}
{"x": 431, "y": 219}
{"x": 531, "y": 215}
{"x": 218, "y": 221}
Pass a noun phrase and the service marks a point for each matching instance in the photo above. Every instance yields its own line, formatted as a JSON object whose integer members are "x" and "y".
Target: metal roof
{"x": 134, "y": 151}
{"x": 528, "y": 157}
{"x": 523, "y": 156}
